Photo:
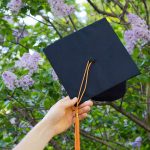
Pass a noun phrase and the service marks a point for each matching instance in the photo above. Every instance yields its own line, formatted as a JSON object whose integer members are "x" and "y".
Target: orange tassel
{"x": 80, "y": 95}
{"x": 77, "y": 131}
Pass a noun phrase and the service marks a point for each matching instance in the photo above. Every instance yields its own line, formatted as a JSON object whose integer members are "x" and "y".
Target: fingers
{"x": 86, "y": 103}
{"x": 67, "y": 102}
{"x": 83, "y": 110}
{"x": 81, "y": 117}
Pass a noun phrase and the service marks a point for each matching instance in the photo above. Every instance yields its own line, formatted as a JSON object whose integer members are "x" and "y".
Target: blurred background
{"x": 29, "y": 85}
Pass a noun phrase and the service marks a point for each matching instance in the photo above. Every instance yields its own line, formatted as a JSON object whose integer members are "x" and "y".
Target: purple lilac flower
{"x": 59, "y": 8}
{"x": 133, "y": 144}
{"x": 15, "y": 5}
{"x": 9, "y": 19}
{"x": 29, "y": 62}
{"x": 19, "y": 34}
{"x": 25, "y": 82}
{"x": 9, "y": 79}
{"x": 142, "y": 34}
{"x": 137, "y": 142}
{"x": 139, "y": 32}
{"x": 130, "y": 40}
{"x": 136, "y": 21}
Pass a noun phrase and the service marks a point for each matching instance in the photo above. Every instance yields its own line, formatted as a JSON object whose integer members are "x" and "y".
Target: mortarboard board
{"x": 96, "y": 54}
{"x": 112, "y": 63}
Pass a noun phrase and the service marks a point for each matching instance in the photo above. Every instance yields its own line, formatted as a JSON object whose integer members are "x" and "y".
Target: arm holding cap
{"x": 59, "y": 118}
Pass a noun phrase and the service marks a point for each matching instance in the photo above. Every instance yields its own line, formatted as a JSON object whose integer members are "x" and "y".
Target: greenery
{"x": 109, "y": 125}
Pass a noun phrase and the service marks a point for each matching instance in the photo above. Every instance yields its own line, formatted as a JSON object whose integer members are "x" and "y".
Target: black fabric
{"x": 113, "y": 65}
{"x": 112, "y": 94}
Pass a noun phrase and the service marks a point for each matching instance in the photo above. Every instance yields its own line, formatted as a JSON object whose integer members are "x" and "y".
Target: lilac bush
{"x": 112, "y": 124}
{"x": 137, "y": 143}
{"x": 59, "y": 8}
{"x": 9, "y": 79}
{"x": 15, "y": 5}
{"x": 25, "y": 82}
{"x": 19, "y": 34}
{"x": 27, "y": 61}
{"x": 139, "y": 32}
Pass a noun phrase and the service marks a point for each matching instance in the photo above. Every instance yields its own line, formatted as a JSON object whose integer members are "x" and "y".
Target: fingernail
{"x": 75, "y": 98}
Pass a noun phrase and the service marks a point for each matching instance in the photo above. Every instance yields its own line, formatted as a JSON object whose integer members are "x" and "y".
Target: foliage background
{"x": 109, "y": 125}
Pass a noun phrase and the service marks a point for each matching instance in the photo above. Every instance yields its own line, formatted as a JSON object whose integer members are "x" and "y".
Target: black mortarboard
{"x": 107, "y": 76}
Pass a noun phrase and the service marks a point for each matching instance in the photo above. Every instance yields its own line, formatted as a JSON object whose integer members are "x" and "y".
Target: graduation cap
{"x": 92, "y": 63}
{"x": 112, "y": 65}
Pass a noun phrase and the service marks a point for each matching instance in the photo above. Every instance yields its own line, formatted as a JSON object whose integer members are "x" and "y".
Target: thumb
{"x": 69, "y": 102}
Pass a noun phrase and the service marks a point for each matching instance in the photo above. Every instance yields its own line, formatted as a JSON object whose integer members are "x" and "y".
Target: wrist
{"x": 49, "y": 127}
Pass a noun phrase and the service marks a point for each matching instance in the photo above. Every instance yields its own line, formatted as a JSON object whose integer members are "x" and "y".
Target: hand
{"x": 61, "y": 115}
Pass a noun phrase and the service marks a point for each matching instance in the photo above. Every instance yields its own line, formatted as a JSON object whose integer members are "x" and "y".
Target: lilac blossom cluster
{"x": 137, "y": 142}
{"x": 27, "y": 61}
{"x": 15, "y": 5}
{"x": 59, "y": 8}
{"x": 25, "y": 82}
{"x": 19, "y": 34}
{"x": 139, "y": 32}
{"x": 9, "y": 19}
{"x": 9, "y": 79}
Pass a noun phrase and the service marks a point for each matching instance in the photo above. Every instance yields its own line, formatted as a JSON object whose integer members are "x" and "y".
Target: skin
{"x": 59, "y": 118}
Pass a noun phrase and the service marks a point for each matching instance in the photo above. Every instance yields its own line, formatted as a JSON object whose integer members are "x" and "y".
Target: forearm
{"x": 37, "y": 138}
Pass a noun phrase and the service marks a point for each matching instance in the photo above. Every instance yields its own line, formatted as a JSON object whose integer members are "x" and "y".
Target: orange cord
{"x": 80, "y": 95}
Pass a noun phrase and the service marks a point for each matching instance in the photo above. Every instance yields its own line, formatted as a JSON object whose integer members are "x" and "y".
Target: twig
{"x": 38, "y": 20}
{"x": 94, "y": 138}
{"x": 147, "y": 13}
{"x": 124, "y": 10}
{"x": 52, "y": 26}
{"x": 72, "y": 23}
{"x": 132, "y": 117}
{"x": 148, "y": 101}
{"x": 19, "y": 44}
{"x": 119, "y": 4}
{"x": 101, "y": 11}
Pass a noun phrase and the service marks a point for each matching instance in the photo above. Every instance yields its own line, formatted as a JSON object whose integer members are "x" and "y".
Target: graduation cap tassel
{"x": 80, "y": 95}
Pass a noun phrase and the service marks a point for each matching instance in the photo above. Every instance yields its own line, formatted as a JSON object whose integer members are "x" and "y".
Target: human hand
{"x": 62, "y": 115}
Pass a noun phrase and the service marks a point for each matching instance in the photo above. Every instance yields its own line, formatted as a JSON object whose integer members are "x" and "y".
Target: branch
{"x": 38, "y": 20}
{"x": 119, "y": 4}
{"x": 19, "y": 45}
{"x": 148, "y": 102}
{"x": 46, "y": 23}
{"x": 96, "y": 139}
{"x": 45, "y": 18}
{"x": 132, "y": 117}
{"x": 101, "y": 11}
{"x": 147, "y": 13}
{"x": 124, "y": 9}
{"x": 72, "y": 23}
